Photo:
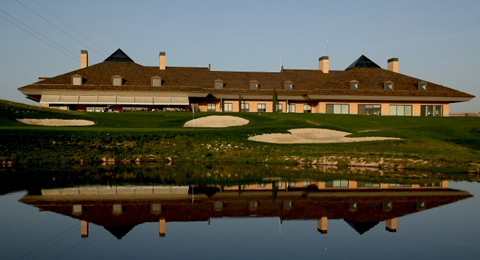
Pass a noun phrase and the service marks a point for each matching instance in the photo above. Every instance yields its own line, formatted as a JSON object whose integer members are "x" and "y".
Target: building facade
{"x": 119, "y": 84}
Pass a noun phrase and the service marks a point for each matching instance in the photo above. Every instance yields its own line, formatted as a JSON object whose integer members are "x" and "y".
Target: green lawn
{"x": 446, "y": 143}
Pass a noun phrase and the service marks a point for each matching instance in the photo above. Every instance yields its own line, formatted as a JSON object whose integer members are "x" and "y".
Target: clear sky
{"x": 435, "y": 40}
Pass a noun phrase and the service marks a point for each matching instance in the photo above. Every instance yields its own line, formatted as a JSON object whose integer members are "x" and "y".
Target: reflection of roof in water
{"x": 361, "y": 227}
{"x": 119, "y": 231}
{"x": 184, "y": 204}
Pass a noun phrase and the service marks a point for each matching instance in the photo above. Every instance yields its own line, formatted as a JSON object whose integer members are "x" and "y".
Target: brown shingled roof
{"x": 184, "y": 79}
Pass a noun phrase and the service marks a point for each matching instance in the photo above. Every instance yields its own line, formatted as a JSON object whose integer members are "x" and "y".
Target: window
{"x": 422, "y": 86}
{"x": 262, "y": 107}
{"x": 353, "y": 85}
{"x": 117, "y": 81}
{"x": 211, "y": 107}
{"x": 253, "y": 85}
{"x": 77, "y": 80}
{"x": 288, "y": 85}
{"x": 367, "y": 109}
{"x": 338, "y": 109}
{"x": 279, "y": 107}
{"x": 388, "y": 86}
{"x": 245, "y": 107}
{"x": 218, "y": 84}
{"x": 432, "y": 110}
{"x": 307, "y": 108}
{"x": 292, "y": 108}
{"x": 400, "y": 110}
{"x": 156, "y": 82}
{"x": 227, "y": 107}
{"x": 337, "y": 184}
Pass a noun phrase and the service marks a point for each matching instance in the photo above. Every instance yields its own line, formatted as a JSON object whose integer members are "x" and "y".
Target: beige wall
{"x": 385, "y": 109}
{"x": 416, "y": 109}
{"x": 446, "y": 110}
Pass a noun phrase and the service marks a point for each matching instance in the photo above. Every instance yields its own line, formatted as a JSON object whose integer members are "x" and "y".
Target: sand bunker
{"x": 313, "y": 135}
{"x": 216, "y": 121}
{"x": 56, "y": 122}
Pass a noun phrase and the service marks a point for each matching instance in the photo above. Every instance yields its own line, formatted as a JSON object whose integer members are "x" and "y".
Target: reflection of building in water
{"x": 362, "y": 205}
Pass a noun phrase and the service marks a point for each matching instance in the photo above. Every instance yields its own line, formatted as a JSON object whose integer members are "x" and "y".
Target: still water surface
{"x": 280, "y": 219}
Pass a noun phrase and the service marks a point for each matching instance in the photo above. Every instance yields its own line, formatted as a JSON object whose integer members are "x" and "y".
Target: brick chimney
{"x": 392, "y": 65}
{"x": 323, "y": 64}
{"x": 162, "y": 61}
{"x": 83, "y": 59}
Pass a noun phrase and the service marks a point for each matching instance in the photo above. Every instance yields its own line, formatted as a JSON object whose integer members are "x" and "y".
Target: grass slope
{"x": 444, "y": 142}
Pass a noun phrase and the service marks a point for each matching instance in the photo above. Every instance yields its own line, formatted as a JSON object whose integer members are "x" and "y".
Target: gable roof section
{"x": 363, "y": 62}
{"x": 119, "y": 56}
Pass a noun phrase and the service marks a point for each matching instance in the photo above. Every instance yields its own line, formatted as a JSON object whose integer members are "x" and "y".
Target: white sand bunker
{"x": 56, "y": 122}
{"x": 216, "y": 121}
{"x": 313, "y": 135}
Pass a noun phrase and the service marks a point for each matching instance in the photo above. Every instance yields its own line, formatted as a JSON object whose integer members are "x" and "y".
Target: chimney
{"x": 392, "y": 65}
{"x": 162, "y": 61}
{"x": 323, "y": 64}
{"x": 83, "y": 59}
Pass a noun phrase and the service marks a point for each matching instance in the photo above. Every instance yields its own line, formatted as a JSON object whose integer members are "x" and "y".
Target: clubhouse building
{"x": 119, "y": 84}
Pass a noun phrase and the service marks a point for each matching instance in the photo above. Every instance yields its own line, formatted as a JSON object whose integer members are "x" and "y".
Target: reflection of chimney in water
{"x": 161, "y": 227}
{"x": 391, "y": 225}
{"x": 322, "y": 225}
{"x": 84, "y": 228}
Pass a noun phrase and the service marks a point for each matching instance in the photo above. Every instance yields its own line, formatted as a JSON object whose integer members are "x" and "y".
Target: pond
{"x": 72, "y": 215}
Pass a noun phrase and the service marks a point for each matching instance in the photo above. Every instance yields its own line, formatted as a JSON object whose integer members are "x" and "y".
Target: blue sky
{"x": 435, "y": 40}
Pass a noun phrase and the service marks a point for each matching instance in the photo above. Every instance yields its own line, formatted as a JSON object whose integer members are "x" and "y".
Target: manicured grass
{"x": 447, "y": 143}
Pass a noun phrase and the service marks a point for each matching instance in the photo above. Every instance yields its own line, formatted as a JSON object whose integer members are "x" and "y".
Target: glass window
{"x": 422, "y": 86}
{"x": 388, "y": 86}
{"x": 279, "y": 107}
{"x": 117, "y": 81}
{"x": 245, "y": 107}
{"x": 307, "y": 108}
{"x": 369, "y": 109}
{"x": 228, "y": 107}
{"x": 292, "y": 108}
{"x": 261, "y": 107}
{"x": 77, "y": 80}
{"x": 218, "y": 84}
{"x": 400, "y": 110}
{"x": 211, "y": 107}
{"x": 253, "y": 85}
{"x": 288, "y": 85}
{"x": 337, "y": 184}
{"x": 338, "y": 108}
{"x": 354, "y": 85}
{"x": 432, "y": 110}
{"x": 156, "y": 82}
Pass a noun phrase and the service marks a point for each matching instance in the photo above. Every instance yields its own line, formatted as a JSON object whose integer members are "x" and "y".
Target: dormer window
{"x": 156, "y": 81}
{"x": 353, "y": 85}
{"x": 218, "y": 84}
{"x": 288, "y": 85}
{"x": 117, "y": 80}
{"x": 253, "y": 85}
{"x": 422, "y": 86}
{"x": 388, "y": 86}
{"x": 77, "y": 80}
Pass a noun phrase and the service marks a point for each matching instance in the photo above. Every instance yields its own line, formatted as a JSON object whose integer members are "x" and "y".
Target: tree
{"x": 274, "y": 102}
{"x": 240, "y": 103}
